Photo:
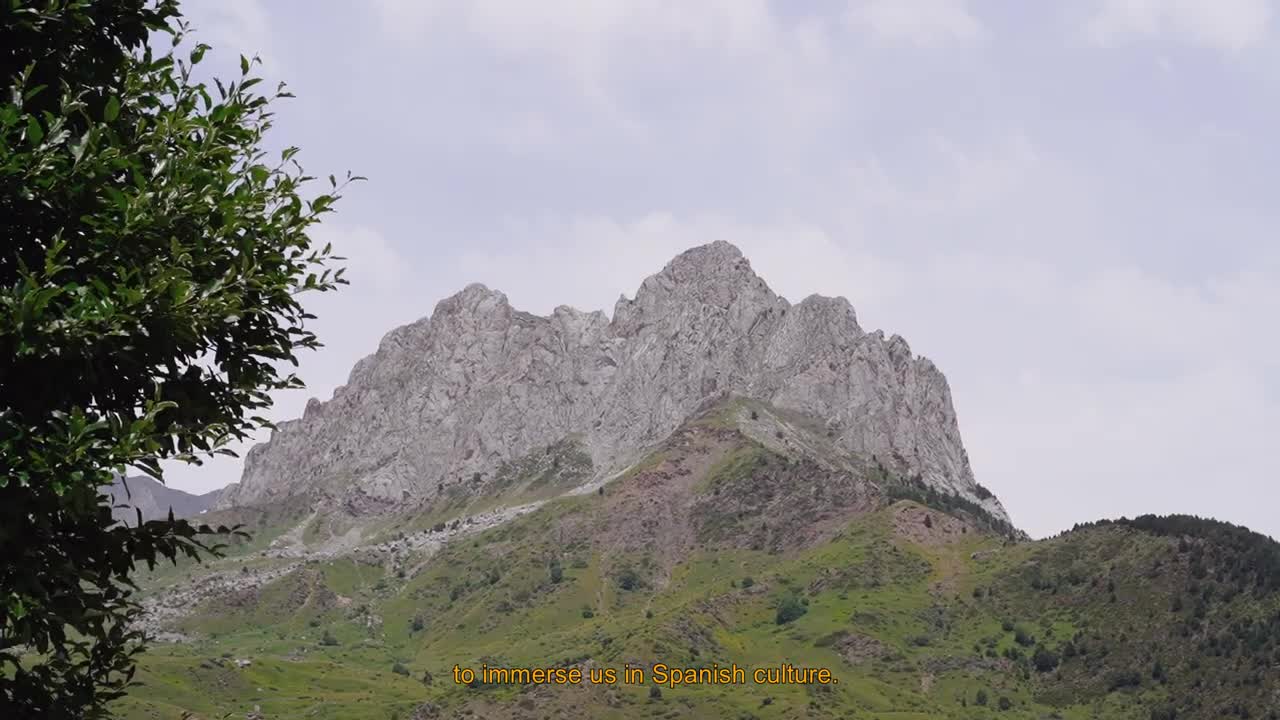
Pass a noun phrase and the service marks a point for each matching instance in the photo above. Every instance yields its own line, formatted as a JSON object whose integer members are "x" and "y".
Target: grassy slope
{"x": 913, "y": 622}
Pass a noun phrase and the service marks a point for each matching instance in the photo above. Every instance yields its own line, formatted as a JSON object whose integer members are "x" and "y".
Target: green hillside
{"x": 726, "y": 547}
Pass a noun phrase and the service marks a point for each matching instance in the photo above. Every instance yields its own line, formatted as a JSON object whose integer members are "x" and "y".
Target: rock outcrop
{"x": 478, "y": 383}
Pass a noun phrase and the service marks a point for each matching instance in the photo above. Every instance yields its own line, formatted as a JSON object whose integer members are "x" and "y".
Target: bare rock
{"x": 479, "y": 383}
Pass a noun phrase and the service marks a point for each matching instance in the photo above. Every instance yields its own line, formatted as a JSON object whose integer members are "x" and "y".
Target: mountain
{"x": 154, "y": 500}
{"x": 448, "y": 400}
{"x": 713, "y": 478}
{"x": 726, "y": 545}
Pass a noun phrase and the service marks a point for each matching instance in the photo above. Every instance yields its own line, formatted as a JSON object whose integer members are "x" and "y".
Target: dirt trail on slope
{"x": 163, "y": 608}
{"x": 411, "y": 553}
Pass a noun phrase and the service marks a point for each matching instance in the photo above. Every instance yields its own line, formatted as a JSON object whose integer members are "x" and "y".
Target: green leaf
{"x": 79, "y": 146}
{"x": 180, "y": 292}
{"x": 112, "y": 111}
{"x": 35, "y": 133}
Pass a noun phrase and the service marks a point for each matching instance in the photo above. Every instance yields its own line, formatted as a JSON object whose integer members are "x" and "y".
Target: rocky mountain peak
{"x": 475, "y": 304}
{"x": 709, "y": 268}
{"x": 479, "y": 384}
{"x": 713, "y": 281}
{"x": 716, "y": 273}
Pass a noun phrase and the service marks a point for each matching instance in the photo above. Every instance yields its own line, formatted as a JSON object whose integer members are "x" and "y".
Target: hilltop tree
{"x": 149, "y": 301}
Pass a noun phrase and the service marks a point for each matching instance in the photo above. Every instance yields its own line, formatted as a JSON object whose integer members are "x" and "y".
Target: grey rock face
{"x": 479, "y": 382}
{"x": 154, "y": 500}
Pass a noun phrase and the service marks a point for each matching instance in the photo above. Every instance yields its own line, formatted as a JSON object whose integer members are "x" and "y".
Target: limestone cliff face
{"x": 479, "y": 382}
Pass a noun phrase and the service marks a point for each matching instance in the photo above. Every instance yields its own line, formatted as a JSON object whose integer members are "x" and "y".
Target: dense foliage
{"x": 916, "y": 490}
{"x": 1240, "y": 557}
{"x": 1173, "y": 614}
{"x": 149, "y": 285}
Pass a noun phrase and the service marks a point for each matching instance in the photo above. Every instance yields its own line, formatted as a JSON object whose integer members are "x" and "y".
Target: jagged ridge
{"x": 479, "y": 383}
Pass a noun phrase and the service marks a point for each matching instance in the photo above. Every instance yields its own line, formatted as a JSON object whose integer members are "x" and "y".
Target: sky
{"x": 1069, "y": 207}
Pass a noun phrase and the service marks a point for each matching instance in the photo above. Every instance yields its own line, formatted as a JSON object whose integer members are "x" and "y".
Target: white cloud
{"x": 1114, "y": 391}
{"x": 924, "y": 23}
{"x": 942, "y": 191}
{"x": 742, "y": 54}
{"x": 583, "y": 37}
{"x": 1229, "y": 25}
{"x": 234, "y": 28}
{"x": 1060, "y": 450}
{"x": 971, "y": 177}
{"x": 371, "y": 265}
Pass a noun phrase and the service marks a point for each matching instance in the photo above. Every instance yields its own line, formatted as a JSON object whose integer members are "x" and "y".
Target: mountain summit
{"x": 451, "y": 398}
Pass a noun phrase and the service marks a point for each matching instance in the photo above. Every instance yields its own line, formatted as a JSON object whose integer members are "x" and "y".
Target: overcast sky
{"x": 1070, "y": 207}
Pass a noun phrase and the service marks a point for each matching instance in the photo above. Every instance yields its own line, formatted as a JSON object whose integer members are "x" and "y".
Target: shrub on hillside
{"x": 790, "y": 608}
{"x": 628, "y": 579}
{"x": 1044, "y": 659}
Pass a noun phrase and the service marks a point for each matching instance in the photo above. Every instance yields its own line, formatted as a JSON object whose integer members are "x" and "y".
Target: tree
{"x": 1044, "y": 659}
{"x": 149, "y": 302}
{"x": 789, "y": 608}
{"x": 981, "y": 698}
